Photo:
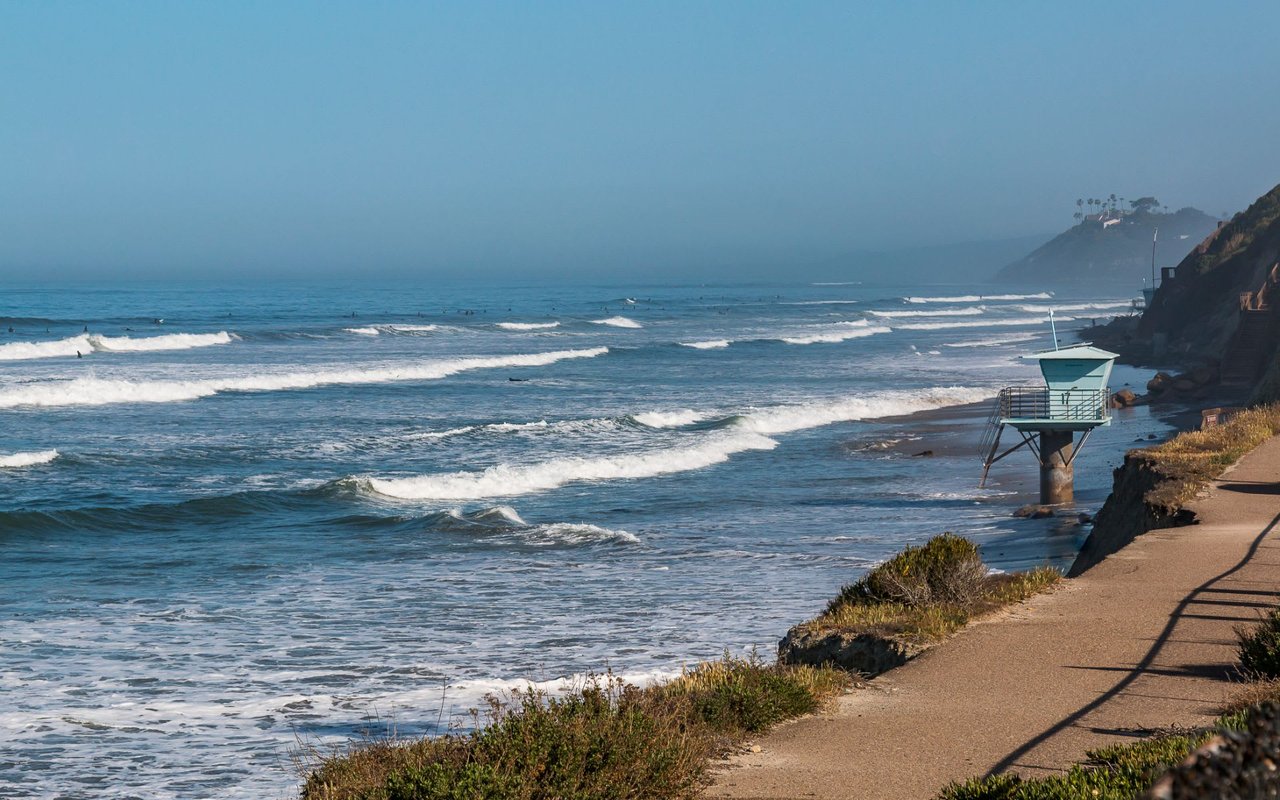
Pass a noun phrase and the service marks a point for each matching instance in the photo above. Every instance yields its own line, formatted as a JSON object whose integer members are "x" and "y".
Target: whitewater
{"x": 307, "y": 513}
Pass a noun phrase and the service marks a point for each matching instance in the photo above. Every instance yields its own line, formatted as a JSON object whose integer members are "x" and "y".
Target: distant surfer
{"x": 79, "y": 354}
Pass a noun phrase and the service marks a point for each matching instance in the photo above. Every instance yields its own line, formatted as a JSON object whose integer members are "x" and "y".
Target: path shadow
{"x": 1145, "y": 666}
{"x": 1251, "y": 487}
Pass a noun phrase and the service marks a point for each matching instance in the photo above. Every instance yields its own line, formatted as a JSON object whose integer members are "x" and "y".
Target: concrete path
{"x": 1143, "y": 640}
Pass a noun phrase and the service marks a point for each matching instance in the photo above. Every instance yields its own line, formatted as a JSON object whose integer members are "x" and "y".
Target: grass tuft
{"x": 1190, "y": 460}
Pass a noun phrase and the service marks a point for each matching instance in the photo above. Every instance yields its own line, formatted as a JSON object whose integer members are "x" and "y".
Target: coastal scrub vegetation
{"x": 928, "y": 592}
{"x": 603, "y": 739}
{"x": 1259, "y": 647}
{"x": 1190, "y": 460}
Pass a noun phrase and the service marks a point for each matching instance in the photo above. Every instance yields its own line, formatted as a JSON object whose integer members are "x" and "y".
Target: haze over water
{"x": 303, "y": 512}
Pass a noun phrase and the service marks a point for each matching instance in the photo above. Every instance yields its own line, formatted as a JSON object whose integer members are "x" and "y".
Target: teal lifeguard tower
{"x": 1073, "y": 400}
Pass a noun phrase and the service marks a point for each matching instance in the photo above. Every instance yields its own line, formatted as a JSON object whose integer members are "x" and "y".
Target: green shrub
{"x": 946, "y": 569}
{"x": 1117, "y": 772}
{"x": 1259, "y": 647}
{"x": 602, "y": 740}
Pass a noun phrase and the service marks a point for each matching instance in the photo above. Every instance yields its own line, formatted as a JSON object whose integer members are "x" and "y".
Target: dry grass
{"x": 927, "y": 593}
{"x": 1190, "y": 460}
{"x": 1251, "y": 694}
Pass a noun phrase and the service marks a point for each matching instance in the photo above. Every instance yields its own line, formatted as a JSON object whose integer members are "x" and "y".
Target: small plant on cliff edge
{"x": 1259, "y": 647}
{"x": 946, "y": 569}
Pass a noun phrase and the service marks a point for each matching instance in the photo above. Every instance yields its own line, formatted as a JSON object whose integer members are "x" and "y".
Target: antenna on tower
{"x": 1053, "y": 327}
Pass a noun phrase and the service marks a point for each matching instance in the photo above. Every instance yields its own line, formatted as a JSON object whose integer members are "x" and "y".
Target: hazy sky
{"x": 286, "y": 138}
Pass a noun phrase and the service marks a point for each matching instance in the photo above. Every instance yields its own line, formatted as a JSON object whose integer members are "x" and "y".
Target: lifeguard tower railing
{"x": 1017, "y": 403}
{"x": 1037, "y": 408}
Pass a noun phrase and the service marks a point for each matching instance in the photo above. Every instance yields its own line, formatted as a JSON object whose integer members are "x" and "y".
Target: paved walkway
{"x": 1143, "y": 640}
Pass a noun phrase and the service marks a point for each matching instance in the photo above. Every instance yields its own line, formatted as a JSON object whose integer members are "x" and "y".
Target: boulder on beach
{"x": 1033, "y": 511}
{"x": 1123, "y": 398}
{"x": 1159, "y": 383}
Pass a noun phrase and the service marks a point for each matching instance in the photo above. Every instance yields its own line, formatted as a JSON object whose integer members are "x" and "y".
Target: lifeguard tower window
{"x": 1046, "y": 418}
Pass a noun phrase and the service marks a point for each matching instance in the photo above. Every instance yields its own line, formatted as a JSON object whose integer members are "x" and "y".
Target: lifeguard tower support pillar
{"x": 1073, "y": 399}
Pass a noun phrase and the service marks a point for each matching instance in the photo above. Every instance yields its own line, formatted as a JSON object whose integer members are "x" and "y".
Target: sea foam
{"x": 838, "y": 332}
{"x": 991, "y": 323}
{"x": 528, "y": 326}
{"x": 28, "y": 459}
{"x": 91, "y": 342}
{"x": 744, "y": 432}
{"x": 99, "y": 391}
{"x": 971, "y": 311}
{"x": 978, "y": 298}
{"x": 618, "y": 322}
{"x": 709, "y": 344}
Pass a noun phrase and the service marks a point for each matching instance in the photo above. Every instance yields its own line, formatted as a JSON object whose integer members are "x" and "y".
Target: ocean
{"x": 236, "y": 522}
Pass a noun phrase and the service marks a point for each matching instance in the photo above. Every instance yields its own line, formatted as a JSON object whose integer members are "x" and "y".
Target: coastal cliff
{"x": 1133, "y": 508}
{"x": 1107, "y": 249}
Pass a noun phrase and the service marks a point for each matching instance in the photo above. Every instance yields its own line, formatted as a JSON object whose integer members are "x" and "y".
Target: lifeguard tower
{"x": 1073, "y": 399}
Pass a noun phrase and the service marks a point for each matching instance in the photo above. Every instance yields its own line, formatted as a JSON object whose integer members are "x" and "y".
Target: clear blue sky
{"x": 318, "y": 138}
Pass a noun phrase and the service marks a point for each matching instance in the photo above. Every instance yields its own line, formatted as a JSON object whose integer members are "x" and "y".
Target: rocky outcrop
{"x": 868, "y": 654}
{"x": 1129, "y": 511}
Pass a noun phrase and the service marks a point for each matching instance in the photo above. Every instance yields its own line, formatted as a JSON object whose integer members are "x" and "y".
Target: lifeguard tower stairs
{"x": 1047, "y": 418}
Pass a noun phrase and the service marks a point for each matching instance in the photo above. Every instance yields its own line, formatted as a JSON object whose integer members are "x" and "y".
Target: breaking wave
{"x": 669, "y": 419}
{"x": 978, "y": 298}
{"x": 528, "y": 326}
{"x": 375, "y": 330}
{"x": 1045, "y": 309}
{"x": 506, "y": 480}
{"x": 737, "y": 434}
{"x": 939, "y": 326}
{"x": 838, "y": 332}
{"x": 97, "y": 391}
{"x": 996, "y": 341}
{"x": 710, "y": 344}
{"x": 618, "y": 322}
{"x": 971, "y": 311}
{"x": 28, "y": 459}
{"x": 92, "y": 342}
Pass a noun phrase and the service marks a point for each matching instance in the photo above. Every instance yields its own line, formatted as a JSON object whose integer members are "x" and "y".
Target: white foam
{"x": 375, "y": 330}
{"x": 669, "y": 419}
{"x": 28, "y": 459}
{"x": 710, "y": 344}
{"x": 971, "y": 311}
{"x": 978, "y": 298}
{"x": 172, "y": 341}
{"x": 750, "y": 431}
{"x": 505, "y": 480}
{"x": 996, "y": 341}
{"x": 836, "y": 283}
{"x": 575, "y": 533}
{"x": 839, "y": 332}
{"x": 90, "y": 343}
{"x": 992, "y": 323}
{"x": 1045, "y": 309}
{"x": 97, "y": 391}
{"x": 528, "y": 326}
{"x": 821, "y": 303}
{"x": 618, "y": 322}
{"x": 791, "y": 418}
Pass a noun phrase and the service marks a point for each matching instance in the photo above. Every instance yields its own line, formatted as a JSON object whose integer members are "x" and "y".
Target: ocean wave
{"x": 996, "y": 341}
{"x": 528, "y": 326}
{"x": 992, "y": 323}
{"x": 839, "y": 332}
{"x": 507, "y": 480}
{"x": 710, "y": 344}
{"x": 617, "y": 322}
{"x": 821, "y": 303}
{"x": 971, "y": 311}
{"x": 98, "y": 391}
{"x": 569, "y": 425}
{"x": 28, "y": 459}
{"x": 506, "y": 520}
{"x": 1045, "y": 309}
{"x": 91, "y": 342}
{"x": 978, "y": 298}
{"x": 802, "y": 416}
{"x": 669, "y": 419}
{"x": 741, "y": 433}
{"x": 376, "y": 330}
{"x": 172, "y": 341}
